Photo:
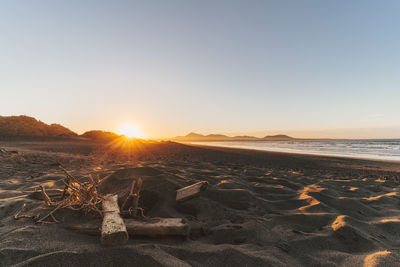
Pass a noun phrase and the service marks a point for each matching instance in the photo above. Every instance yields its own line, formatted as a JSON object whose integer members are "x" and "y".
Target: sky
{"x": 301, "y": 67}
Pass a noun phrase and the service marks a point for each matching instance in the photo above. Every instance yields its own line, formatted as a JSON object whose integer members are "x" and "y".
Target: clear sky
{"x": 310, "y": 68}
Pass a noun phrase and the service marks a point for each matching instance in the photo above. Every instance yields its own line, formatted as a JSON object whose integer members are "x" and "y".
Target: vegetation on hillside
{"x": 100, "y": 135}
{"x": 28, "y": 126}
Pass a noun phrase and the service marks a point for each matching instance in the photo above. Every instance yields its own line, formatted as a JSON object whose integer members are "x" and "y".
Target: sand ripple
{"x": 251, "y": 215}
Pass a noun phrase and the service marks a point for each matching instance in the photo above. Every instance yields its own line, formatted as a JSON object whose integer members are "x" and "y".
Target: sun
{"x": 130, "y": 131}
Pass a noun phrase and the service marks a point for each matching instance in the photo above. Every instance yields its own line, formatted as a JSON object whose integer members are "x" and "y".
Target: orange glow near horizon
{"x": 126, "y": 146}
{"x": 131, "y": 131}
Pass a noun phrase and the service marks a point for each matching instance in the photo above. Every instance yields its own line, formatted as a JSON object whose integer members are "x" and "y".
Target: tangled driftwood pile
{"x": 84, "y": 197}
{"x": 77, "y": 195}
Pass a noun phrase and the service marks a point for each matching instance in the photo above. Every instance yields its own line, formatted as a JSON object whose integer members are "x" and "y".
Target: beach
{"x": 260, "y": 208}
{"x": 374, "y": 149}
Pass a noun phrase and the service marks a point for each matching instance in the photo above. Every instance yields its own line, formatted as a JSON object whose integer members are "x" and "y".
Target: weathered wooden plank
{"x": 113, "y": 229}
{"x": 158, "y": 227}
{"x": 190, "y": 191}
{"x": 151, "y": 227}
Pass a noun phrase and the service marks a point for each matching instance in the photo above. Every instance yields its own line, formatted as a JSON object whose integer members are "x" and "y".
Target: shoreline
{"x": 322, "y": 163}
{"x": 293, "y": 151}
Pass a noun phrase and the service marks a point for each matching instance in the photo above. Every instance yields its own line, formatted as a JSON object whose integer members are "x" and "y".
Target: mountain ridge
{"x": 220, "y": 137}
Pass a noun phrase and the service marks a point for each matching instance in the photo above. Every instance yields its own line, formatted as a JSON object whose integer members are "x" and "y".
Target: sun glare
{"x": 130, "y": 131}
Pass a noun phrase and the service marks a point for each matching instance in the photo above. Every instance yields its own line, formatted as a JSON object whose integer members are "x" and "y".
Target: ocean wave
{"x": 372, "y": 149}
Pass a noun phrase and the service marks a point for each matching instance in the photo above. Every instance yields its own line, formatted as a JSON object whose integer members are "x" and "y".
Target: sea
{"x": 377, "y": 149}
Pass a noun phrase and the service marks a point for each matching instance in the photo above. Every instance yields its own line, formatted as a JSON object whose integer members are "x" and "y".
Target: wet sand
{"x": 261, "y": 208}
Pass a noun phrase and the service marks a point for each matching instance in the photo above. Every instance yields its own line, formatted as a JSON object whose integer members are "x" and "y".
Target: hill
{"x": 278, "y": 137}
{"x": 28, "y": 126}
{"x": 200, "y": 137}
{"x": 100, "y": 135}
{"x": 219, "y": 137}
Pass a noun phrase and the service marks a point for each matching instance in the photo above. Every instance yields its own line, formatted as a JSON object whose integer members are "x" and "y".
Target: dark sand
{"x": 261, "y": 208}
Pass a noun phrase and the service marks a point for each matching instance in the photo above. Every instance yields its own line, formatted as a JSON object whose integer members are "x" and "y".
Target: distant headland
{"x": 195, "y": 137}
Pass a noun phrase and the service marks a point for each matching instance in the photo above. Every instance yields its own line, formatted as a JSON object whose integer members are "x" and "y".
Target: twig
{"x": 136, "y": 191}
{"x": 129, "y": 195}
{"x": 136, "y": 186}
{"x": 47, "y": 200}
{"x": 71, "y": 178}
{"x": 54, "y": 218}
{"x": 65, "y": 190}
{"x": 19, "y": 211}
{"x": 17, "y": 215}
{"x": 50, "y": 214}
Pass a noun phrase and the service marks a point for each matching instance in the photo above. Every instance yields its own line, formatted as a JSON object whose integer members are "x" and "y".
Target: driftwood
{"x": 152, "y": 227}
{"x": 18, "y": 214}
{"x": 53, "y": 193}
{"x": 113, "y": 229}
{"x": 133, "y": 198}
{"x": 77, "y": 195}
{"x": 190, "y": 191}
{"x": 46, "y": 197}
{"x": 158, "y": 227}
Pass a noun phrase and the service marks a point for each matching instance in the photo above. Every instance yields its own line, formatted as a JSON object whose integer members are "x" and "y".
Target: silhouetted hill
{"x": 28, "y": 126}
{"x": 193, "y": 135}
{"x": 100, "y": 135}
{"x": 199, "y": 137}
{"x": 219, "y": 137}
{"x": 278, "y": 137}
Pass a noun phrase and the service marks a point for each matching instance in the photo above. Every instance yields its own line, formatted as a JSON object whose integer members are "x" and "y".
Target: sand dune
{"x": 261, "y": 209}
